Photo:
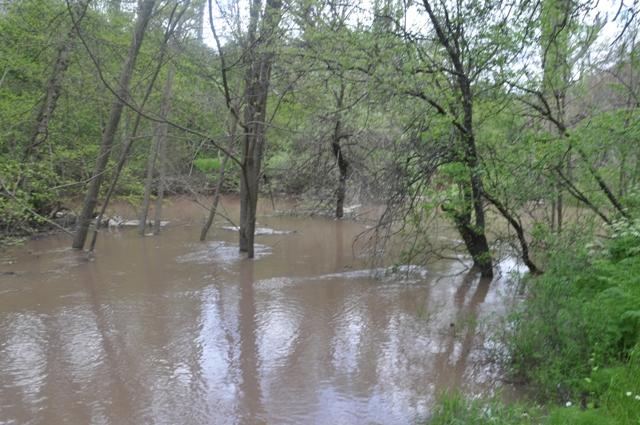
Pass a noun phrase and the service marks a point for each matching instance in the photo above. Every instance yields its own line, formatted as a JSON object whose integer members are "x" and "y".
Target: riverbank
{"x": 575, "y": 341}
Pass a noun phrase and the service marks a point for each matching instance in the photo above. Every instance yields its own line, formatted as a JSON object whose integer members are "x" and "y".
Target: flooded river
{"x": 169, "y": 330}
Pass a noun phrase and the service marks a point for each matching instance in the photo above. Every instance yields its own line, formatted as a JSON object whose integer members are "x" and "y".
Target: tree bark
{"x": 343, "y": 164}
{"x": 156, "y": 149}
{"x": 216, "y": 199}
{"x": 517, "y": 226}
{"x": 258, "y": 61}
{"x": 54, "y": 86}
{"x": 122, "y": 90}
{"x": 127, "y": 146}
{"x": 473, "y": 234}
{"x": 162, "y": 174}
{"x": 343, "y": 168}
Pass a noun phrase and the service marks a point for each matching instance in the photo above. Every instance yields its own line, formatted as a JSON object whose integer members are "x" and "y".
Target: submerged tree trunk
{"x": 156, "y": 149}
{"x": 258, "y": 61}
{"x": 146, "y": 200}
{"x": 517, "y": 226}
{"x": 472, "y": 231}
{"x": 161, "y": 178}
{"x": 216, "y": 199}
{"x": 122, "y": 90}
{"x": 220, "y": 181}
{"x": 343, "y": 164}
{"x": 343, "y": 168}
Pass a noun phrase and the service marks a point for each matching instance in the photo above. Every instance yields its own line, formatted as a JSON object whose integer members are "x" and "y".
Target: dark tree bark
{"x": 258, "y": 61}
{"x": 122, "y": 90}
{"x": 343, "y": 164}
{"x": 472, "y": 231}
{"x": 517, "y": 226}
{"x": 343, "y": 168}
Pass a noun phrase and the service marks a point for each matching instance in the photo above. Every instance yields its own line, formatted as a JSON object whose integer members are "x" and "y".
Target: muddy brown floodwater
{"x": 168, "y": 330}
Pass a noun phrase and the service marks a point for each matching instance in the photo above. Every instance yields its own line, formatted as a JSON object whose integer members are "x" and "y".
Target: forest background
{"x": 513, "y": 122}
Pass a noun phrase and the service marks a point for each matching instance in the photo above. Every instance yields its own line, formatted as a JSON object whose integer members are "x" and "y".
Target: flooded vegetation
{"x": 169, "y": 330}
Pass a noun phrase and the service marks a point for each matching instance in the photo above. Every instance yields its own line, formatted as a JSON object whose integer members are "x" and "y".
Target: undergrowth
{"x": 575, "y": 341}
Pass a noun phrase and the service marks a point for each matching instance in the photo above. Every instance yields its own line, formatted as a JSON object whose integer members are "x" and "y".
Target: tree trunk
{"x": 473, "y": 234}
{"x": 148, "y": 185}
{"x": 127, "y": 146}
{"x": 343, "y": 167}
{"x": 161, "y": 176}
{"x": 258, "y": 61}
{"x": 517, "y": 226}
{"x": 216, "y": 198}
{"x": 122, "y": 89}
{"x": 156, "y": 149}
{"x": 343, "y": 164}
{"x": 54, "y": 86}
{"x": 220, "y": 181}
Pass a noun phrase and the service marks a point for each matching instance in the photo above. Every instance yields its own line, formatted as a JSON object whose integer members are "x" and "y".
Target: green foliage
{"x": 25, "y": 196}
{"x": 207, "y": 165}
{"x": 611, "y": 396}
{"x": 580, "y": 321}
{"x": 456, "y": 408}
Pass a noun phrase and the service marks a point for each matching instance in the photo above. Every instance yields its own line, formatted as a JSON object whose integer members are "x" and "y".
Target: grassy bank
{"x": 575, "y": 340}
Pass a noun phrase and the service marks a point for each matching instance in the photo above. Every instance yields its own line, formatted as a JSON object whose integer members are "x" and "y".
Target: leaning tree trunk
{"x": 122, "y": 90}
{"x": 223, "y": 164}
{"x": 127, "y": 146}
{"x": 54, "y": 85}
{"x": 216, "y": 199}
{"x": 219, "y": 182}
{"x": 472, "y": 231}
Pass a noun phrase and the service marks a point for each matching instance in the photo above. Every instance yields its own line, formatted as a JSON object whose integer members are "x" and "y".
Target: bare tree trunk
{"x": 156, "y": 149}
{"x": 127, "y": 146}
{"x": 220, "y": 181}
{"x": 258, "y": 61}
{"x": 517, "y": 226}
{"x": 559, "y": 212}
{"x": 122, "y": 90}
{"x": 343, "y": 168}
{"x": 161, "y": 177}
{"x": 216, "y": 198}
{"x": 54, "y": 85}
{"x": 200, "y": 21}
{"x": 146, "y": 200}
{"x": 343, "y": 164}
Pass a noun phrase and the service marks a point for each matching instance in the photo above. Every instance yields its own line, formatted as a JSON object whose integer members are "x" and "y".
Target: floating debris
{"x": 262, "y": 231}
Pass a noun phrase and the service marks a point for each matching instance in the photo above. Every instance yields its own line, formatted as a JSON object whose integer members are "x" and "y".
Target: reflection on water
{"x": 167, "y": 330}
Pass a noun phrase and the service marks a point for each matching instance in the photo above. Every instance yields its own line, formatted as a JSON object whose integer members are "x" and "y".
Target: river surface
{"x": 169, "y": 330}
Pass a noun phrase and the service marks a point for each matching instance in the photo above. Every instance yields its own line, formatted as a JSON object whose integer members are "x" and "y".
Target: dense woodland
{"x": 515, "y": 123}
{"x": 498, "y": 116}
